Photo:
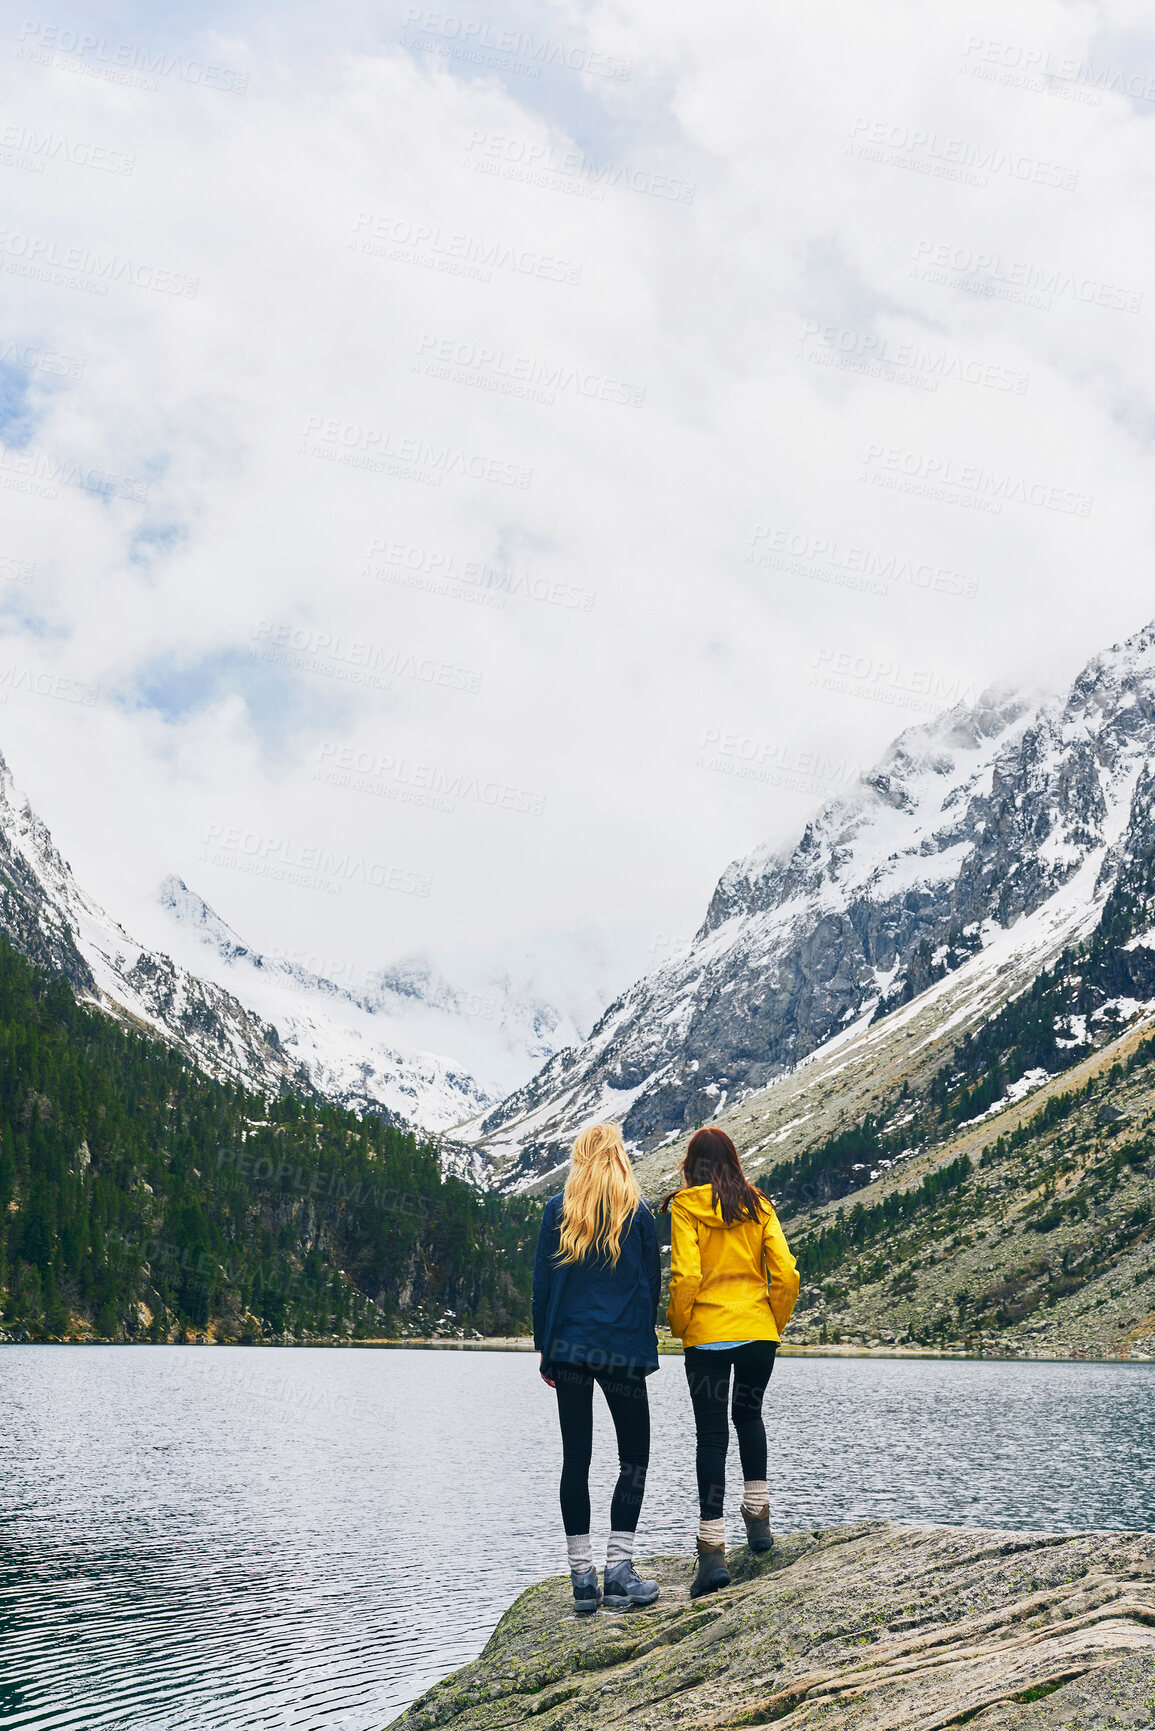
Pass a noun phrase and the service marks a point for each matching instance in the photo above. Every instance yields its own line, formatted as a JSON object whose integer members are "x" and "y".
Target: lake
{"x": 212, "y": 1538}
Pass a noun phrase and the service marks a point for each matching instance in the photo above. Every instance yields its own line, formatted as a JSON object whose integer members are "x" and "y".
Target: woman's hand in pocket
{"x": 548, "y": 1380}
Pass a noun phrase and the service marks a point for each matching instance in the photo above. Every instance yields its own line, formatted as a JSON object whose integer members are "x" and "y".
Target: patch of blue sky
{"x": 151, "y": 542}
{"x": 835, "y": 294}
{"x": 556, "y": 69}
{"x": 1117, "y": 62}
{"x": 281, "y": 702}
{"x": 18, "y": 415}
{"x": 547, "y": 62}
{"x": 19, "y": 616}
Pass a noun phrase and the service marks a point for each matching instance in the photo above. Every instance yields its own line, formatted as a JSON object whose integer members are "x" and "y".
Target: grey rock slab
{"x": 871, "y": 1626}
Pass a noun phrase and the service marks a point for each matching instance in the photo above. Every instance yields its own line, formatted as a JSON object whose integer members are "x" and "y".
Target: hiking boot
{"x": 758, "y": 1534}
{"x": 712, "y": 1572}
{"x": 625, "y": 1588}
{"x": 587, "y": 1595}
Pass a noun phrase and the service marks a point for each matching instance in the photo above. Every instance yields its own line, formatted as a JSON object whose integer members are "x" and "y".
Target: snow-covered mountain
{"x": 266, "y": 1037}
{"x": 369, "y": 1039}
{"x": 971, "y": 822}
{"x": 1020, "y": 818}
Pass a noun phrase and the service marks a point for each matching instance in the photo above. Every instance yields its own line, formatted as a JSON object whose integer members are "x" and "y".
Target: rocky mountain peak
{"x": 968, "y": 823}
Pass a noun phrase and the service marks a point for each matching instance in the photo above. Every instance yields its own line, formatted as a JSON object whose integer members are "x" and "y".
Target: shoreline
{"x": 669, "y": 1350}
{"x": 666, "y": 1349}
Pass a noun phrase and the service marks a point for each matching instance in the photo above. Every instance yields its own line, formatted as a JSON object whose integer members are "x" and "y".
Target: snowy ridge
{"x": 372, "y": 1037}
{"x": 326, "y": 1030}
{"x": 50, "y": 919}
{"x": 269, "y": 1041}
{"x": 1004, "y": 822}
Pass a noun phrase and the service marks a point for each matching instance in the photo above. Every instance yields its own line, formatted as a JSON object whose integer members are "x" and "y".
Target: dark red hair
{"x": 712, "y": 1159}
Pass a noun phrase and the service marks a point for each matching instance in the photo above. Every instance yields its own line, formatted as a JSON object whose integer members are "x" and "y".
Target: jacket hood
{"x": 698, "y": 1201}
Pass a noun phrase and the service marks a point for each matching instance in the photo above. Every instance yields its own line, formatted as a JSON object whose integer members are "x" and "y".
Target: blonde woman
{"x": 596, "y": 1284}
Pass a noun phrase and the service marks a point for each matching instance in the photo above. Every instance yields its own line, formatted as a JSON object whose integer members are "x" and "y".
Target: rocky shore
{"x": 866, "y": 1627}
{"x": 868, "y": 1347}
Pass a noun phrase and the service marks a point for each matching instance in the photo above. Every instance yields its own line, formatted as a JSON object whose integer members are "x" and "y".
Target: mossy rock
{"x": 868, "y": 1627}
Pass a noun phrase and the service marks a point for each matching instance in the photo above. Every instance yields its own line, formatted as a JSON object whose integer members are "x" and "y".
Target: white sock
{"x": 581, "y": 1554}
{"x": 620, "y": 1549}
{"x": 712, "y": 1534}
{"x": 755, "y": 1496}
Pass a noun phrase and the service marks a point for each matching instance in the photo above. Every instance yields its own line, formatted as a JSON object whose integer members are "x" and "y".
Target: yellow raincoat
{"x": 735, "y": 1282}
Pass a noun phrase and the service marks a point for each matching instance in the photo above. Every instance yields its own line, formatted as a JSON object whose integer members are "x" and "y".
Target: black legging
{"x": 708, "y": 1374}
{"x": 629, "y": 1404}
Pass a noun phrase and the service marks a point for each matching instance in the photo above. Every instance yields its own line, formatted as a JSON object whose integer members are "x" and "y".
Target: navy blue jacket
{"x": 594, "y": 1312}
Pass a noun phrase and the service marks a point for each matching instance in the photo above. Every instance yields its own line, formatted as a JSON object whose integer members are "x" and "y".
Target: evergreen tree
{"x": 141, "y": 1199}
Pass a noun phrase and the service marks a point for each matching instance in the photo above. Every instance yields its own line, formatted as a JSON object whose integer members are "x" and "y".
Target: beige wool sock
{"x": 619, "y": 1548}
{"x": 755, "y": 1496}
{"x": 580, "y": 1551}
{"x": 712, "y": 1534}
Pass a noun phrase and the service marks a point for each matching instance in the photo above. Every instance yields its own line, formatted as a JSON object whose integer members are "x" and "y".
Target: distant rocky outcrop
{"x": 868, "y": 1627}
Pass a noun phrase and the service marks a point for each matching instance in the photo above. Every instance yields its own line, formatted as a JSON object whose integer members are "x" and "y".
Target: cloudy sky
{"x": 467, "y": 475}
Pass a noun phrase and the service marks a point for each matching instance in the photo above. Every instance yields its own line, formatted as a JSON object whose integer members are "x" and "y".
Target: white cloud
{"x": 734, "y": 272}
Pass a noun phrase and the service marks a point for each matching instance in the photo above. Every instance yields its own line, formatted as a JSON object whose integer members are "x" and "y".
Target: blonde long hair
{"x": 600, "y": 1198}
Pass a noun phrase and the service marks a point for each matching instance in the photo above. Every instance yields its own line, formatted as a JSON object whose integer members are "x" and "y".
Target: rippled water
{"x": 196, "y": 1538}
